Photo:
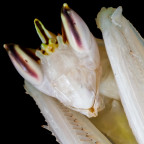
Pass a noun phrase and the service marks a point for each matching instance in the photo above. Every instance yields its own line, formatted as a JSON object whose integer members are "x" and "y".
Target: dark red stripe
{"x": 23, "y": 63}
{"x": 72, "y": 25}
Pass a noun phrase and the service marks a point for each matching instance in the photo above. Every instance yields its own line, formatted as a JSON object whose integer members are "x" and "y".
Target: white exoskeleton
{"x": 125, "y": 49}
{"x": 73, "y": 69}
{"x": 69, "y": 67}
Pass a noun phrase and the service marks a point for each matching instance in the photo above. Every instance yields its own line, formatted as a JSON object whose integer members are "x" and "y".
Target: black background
{"x": 21, "y": 118}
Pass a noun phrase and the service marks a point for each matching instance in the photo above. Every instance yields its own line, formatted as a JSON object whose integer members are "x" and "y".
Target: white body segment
{"x": 125, "y": 49}
{"x": 68, "y": 126}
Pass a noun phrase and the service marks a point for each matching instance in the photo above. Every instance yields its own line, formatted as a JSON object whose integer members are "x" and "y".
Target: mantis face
{"x": 68, "y": 67}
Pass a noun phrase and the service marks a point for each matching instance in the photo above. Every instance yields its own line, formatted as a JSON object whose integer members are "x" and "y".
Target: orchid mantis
{"x": 74, "y": 69}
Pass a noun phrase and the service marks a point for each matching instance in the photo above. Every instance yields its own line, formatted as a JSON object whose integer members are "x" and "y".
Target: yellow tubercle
{"x": 47, "y": 49}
